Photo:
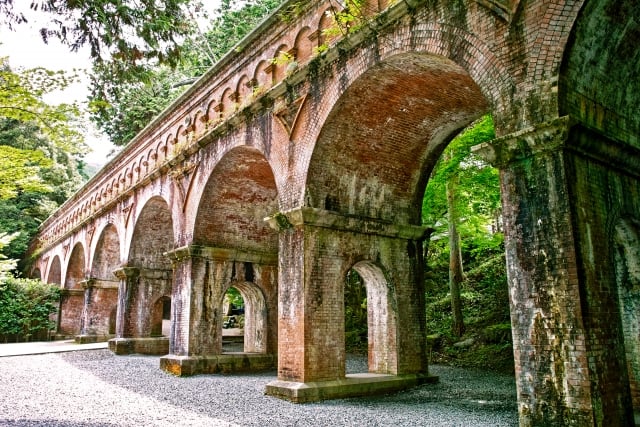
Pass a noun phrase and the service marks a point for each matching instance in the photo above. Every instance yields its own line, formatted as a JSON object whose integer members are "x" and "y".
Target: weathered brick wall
{"x": 603, "y": 196}
{"x": 311, "y": 306}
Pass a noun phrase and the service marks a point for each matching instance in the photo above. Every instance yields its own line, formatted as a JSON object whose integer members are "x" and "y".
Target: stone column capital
{"x": 540, "y": 139}
{"x": 124, "y": 273}
{"x": 314, "y": 217}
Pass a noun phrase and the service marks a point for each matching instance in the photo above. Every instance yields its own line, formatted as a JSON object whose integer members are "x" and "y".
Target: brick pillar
{"x": 557, "y": 380}
{"x": 317, "y": 249}
{"x": 85, "y": 327}
{"x": 201, "y": 277}
{"x": 127, "y": 289}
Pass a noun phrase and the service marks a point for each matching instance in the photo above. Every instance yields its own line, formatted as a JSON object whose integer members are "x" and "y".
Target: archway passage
{"x": 101, "y": 293}
{"x": 380, "y": 321}
{"x": 72, "y": 297}
{"x": 248, "y": 315}
{"x": 232, "y": 246}
{"x": 145, "y": 279}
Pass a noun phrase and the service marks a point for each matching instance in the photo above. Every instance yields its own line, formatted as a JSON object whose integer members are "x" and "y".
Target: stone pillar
{"x": 317, "y": 249}
{"x": 201, "y": 277}
{"x": 127, "y": 288}
{"x": 100, "y": 297}
{"x": 562, "y": 377}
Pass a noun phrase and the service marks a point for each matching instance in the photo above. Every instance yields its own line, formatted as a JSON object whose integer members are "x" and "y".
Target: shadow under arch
{"x": 626, "y": 241}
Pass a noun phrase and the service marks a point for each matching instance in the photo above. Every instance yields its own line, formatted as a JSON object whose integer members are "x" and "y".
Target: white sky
{"x": 25, "y": 49}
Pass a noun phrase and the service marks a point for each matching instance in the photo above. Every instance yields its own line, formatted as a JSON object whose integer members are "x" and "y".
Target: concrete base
{"x": 90, "y": 339}
{"x": 352, "y": 385}
{"x": 154, "y": 346}
{"x": 217, "y": 363}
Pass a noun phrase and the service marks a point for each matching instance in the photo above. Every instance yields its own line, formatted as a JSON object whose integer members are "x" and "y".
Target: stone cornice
{"x": 306, "y": 216}
{"x": 222, "y": 254}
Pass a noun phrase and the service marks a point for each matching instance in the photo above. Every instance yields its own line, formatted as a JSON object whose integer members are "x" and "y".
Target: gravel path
{"x": 96, "y": 388}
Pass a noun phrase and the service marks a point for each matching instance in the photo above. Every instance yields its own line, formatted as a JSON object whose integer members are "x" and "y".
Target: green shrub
{"x": 25, "y": 308}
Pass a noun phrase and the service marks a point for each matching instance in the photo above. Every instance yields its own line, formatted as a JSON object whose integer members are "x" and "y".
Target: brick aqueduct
{"x": 279, "y": 178}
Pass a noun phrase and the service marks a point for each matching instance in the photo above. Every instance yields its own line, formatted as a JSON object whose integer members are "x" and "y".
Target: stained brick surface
{"x": 336, "y": 149}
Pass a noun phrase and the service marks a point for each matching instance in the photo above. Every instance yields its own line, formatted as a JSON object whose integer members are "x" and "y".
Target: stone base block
{"x": 352, "y": 385}
{"x": 154, "y": 346}
{"x": 219, "y": 363}
{"x": 90, "y": 339}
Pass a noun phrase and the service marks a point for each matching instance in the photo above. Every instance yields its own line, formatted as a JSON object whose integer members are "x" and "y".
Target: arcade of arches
{"x": 278, "y": 179}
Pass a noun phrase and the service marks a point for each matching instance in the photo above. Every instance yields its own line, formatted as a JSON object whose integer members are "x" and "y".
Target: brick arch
{"x": 255, "y": 324}
{"x": 55, "y": 271}
{"x": 106, "y": 257}
{"x": 381, "y": 318}
{"x": 326, "y": 21}
{"x": 152, "y": 236}
{"x": 228, "y": 102}
{"x": 599, "y": 82}
{"x": 303, "y": 45}
{"x": 72, "y": 298}
{"x": 244, "y": 89}
{"x": 279, "y": 69}
{"x": 263, "y": 76}
{"x": 240, "y": 192}
{"x": 374, "y": 168}
{"x": 76, "y": 268}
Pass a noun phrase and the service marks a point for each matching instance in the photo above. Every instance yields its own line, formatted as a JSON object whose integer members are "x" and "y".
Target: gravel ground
{"x": 96, "y": 388}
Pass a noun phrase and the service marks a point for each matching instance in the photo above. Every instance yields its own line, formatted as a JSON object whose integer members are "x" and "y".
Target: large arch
{"x": 363, "y": 199}
{"x": 232, "y": 246}
{"x": 146, "y": 278}
{"x": 239, "y": 194}
{"x": 55, "y": 271}
{"x": 101, "y": 294}
{"x": 72, "y": 299}
{"x": 371, "y": 167}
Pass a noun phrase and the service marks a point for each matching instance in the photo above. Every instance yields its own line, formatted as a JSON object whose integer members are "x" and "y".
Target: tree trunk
{"x": 456, "y": 274}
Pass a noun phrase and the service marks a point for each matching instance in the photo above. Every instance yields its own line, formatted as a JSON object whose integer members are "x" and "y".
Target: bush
{"x": 25, "y": 308}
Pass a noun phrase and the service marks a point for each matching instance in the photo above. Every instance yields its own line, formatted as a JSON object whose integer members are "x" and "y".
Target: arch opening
{"x": 152, "y": 237}
{"x": 386, "y": 132}
{"x": 369, "y": 319}
{"x": 55, "y": 271}
{"x": 245, "y": 315}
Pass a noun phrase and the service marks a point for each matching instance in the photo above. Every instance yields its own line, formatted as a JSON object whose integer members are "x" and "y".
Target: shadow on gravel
{"x": 463, "y": 397}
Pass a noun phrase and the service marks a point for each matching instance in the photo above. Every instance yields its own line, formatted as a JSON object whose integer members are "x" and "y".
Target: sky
{"x": 25, "y": 49}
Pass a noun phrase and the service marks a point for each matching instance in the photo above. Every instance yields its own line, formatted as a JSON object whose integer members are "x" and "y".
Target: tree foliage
{"x": 461, "y": 204}
{"x": 122, "y": 106}
{"x": 22, "y": 98}
{"x": 127, "y": 30}
{"x": 25, "y": 308}
{"x": 36, "y": 176}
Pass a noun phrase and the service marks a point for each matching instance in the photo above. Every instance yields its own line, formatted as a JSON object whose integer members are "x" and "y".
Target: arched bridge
{"x": 279, "y": 177}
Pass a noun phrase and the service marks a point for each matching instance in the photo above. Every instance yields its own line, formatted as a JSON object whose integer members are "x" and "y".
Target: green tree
{"x": 25, "y": 308}
{"x": 461, "y": 202}
{"x": 122, "y": 106}
{"x": 21, "y": 99}
{"x": 126, "y": 30}
{"x": 36, "y": 176}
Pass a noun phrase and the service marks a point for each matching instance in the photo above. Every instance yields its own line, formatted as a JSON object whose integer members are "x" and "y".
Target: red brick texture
{"x": 337, "y": 149}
